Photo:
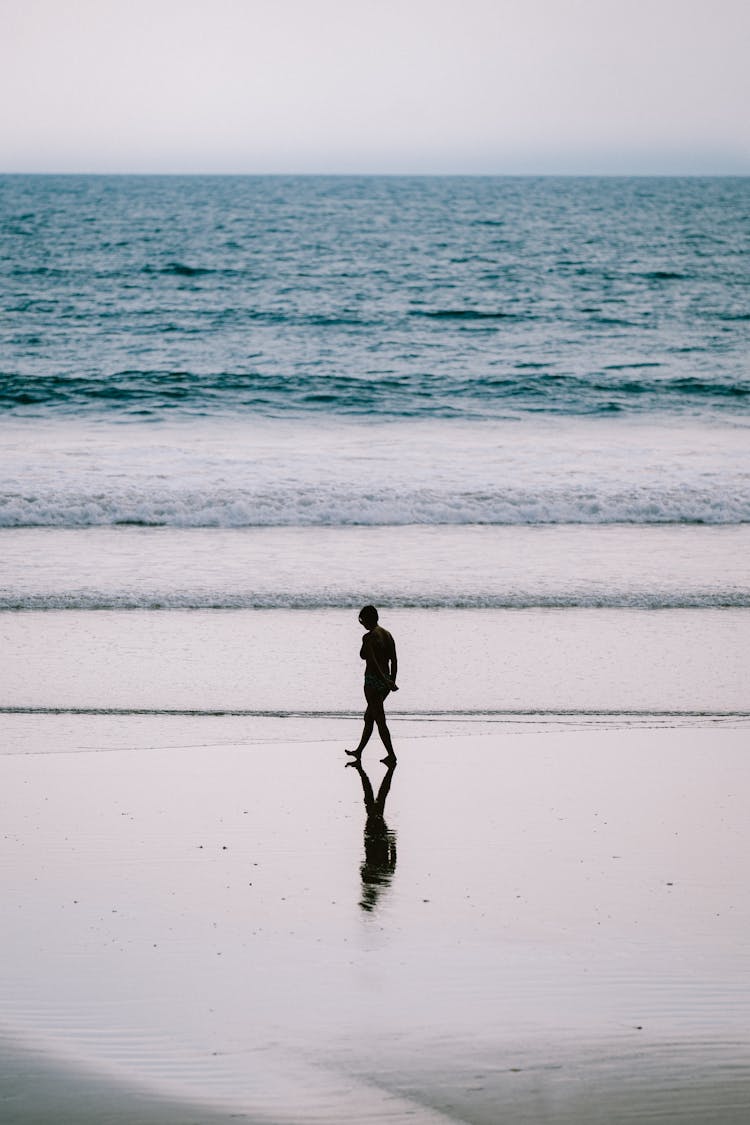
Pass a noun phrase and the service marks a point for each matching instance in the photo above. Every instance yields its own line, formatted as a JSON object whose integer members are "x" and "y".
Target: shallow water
{"x": 451, "y": 661}
{"x": 345, "y": 567}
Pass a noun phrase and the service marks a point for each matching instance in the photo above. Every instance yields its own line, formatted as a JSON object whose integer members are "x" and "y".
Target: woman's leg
{"x": 366, "y": 730}
{"x": 378, "y": 711}
{"x": 374, "y": 716}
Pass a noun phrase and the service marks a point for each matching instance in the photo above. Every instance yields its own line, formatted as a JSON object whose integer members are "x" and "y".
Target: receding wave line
{"x": 615, "y": 600}
{"x": 473, "y": 713}
{"x": 345, "y": 599}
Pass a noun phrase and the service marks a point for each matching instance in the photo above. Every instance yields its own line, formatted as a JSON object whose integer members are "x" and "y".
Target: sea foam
{"x": 297, "y": 506}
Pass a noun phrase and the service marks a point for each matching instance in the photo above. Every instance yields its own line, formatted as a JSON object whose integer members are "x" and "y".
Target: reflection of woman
{"x": 380, "y": 842}
{"x": 379, "y": 653}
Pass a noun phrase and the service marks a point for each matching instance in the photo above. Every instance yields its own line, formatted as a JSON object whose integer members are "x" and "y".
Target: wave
{"x": 179, "y": 269}
{"x": 334, "y": 507}
{"x": 664, "y": 275}
{"x": 468, "y": 314}
{"x": 528, "y": 387}
{"x": 345, "y": 599}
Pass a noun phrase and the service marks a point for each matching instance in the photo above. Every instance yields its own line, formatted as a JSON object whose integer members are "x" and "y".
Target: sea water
{"x": 308, "y": 393}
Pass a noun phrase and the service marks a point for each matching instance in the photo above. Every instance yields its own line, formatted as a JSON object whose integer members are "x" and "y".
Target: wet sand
{"x": 550, "y": 926}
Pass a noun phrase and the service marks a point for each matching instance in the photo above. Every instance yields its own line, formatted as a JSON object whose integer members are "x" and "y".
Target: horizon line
{"x": 653, "y": 175}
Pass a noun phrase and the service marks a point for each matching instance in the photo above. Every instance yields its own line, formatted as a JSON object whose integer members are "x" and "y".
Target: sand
{"x": 554, "y": 931}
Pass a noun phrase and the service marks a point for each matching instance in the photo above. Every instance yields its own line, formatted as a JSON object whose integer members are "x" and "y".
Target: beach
{"x": 193, "y": 930}
{"x": 198, "y": 929}
{"x": 510, "y": 412}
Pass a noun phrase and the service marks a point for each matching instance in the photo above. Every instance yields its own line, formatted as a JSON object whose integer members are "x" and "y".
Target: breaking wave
{"x": 299, "y": 506}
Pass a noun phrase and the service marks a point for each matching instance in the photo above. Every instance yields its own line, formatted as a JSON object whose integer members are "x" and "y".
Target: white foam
{"x": 279, "y": 473}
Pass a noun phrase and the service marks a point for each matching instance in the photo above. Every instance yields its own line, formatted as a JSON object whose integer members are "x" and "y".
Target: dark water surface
{"x": 397, "y": 296}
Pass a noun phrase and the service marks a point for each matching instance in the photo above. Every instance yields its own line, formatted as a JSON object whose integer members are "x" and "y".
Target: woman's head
{"x": 368, "y": 616}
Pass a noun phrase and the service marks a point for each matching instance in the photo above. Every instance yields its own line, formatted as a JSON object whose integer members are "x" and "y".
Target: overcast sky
{"x": 496, "y": 86}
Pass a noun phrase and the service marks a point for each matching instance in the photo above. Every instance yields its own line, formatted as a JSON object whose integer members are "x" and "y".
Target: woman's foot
{"x": 354, "y": 754}
{"x": 389, "y": 760}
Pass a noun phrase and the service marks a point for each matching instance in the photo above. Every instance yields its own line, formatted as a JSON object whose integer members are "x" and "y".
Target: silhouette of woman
{"x": 379, "y": 653}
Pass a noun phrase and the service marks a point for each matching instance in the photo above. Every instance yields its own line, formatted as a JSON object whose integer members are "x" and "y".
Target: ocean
{"x": 307, "y": 393}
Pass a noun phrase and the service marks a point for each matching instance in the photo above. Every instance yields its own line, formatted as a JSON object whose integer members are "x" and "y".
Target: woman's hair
{"x": 368, "y": 615}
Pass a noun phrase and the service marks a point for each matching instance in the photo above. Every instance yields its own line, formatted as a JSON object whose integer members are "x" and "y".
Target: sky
{"x": 375, "y": 86}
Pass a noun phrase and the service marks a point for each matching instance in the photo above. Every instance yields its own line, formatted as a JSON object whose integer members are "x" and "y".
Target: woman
{"x": 379, "y": 653}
